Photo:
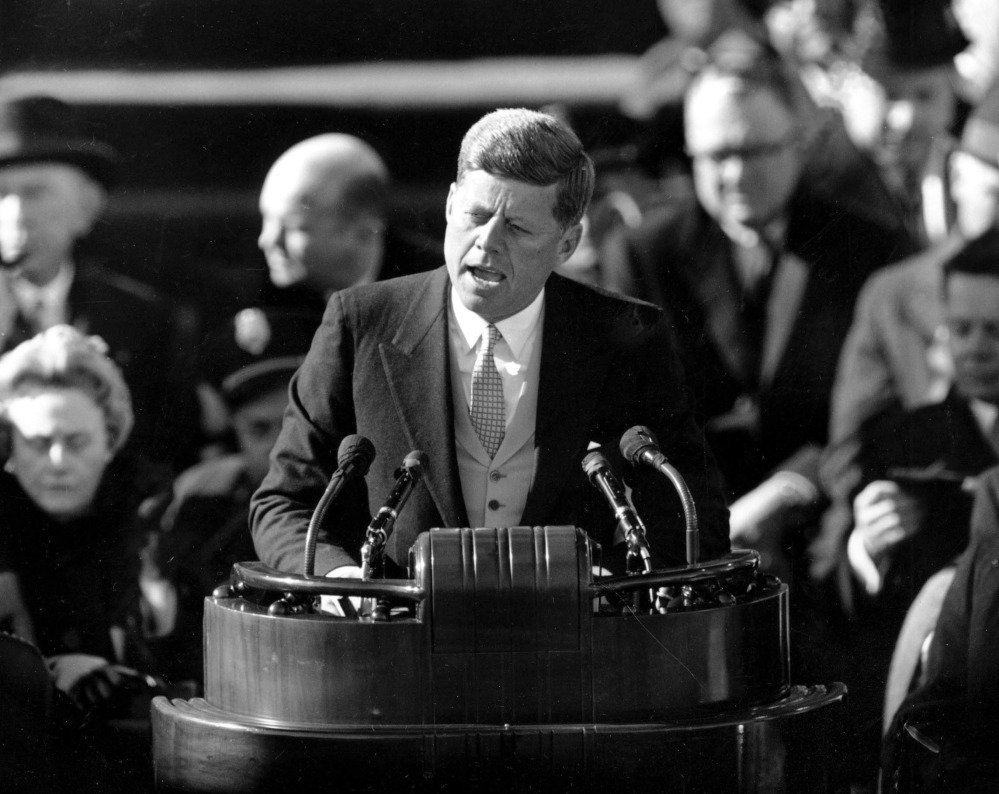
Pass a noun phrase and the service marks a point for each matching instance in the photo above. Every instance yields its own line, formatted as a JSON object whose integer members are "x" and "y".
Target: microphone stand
{"x": 318, "y": 515}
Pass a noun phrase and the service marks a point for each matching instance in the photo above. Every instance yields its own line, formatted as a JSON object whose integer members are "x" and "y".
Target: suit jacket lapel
{"x": 574, "y": 364}
{"x": 789, "y": 283}
{"x": 417, "y": 369}
{"x": 711, "y": 278}
{"x": 79, "y": 300}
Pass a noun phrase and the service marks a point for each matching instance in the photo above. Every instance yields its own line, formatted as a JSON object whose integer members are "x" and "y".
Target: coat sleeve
{"x": 320, "y": 413}
{"x": 863, "y": 388}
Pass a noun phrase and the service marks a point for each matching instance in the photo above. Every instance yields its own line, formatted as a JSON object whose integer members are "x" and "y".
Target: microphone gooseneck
{"x": 598, "y": 469}
{"x": 639, "y": 447}
{"x": 353, "y": 459}
{"x": 380, "y": 528}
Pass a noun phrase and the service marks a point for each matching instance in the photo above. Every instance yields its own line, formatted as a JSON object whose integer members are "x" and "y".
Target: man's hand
{"x": 884, "y": 515}
{"x": 91, "y": 681}
{"x": 334, "y": 605}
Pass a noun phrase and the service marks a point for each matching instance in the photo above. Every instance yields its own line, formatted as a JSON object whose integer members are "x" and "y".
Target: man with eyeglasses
{"x": 759, "y": 277}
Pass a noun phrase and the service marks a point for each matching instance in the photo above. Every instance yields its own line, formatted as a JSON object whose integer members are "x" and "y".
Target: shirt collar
{"x": 773, "y": 235}
{"x": 516, "y": 329}
{"x": 985, "y": 413}
{"x": 54, "y": 293}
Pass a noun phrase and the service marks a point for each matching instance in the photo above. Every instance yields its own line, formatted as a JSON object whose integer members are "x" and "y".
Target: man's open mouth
{"x": 486, "y": 274}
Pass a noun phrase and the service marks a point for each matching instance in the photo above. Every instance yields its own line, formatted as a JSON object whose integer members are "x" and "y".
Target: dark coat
{"x": 379, "y": 367}
{"x": 202, "y": 530}
{"x": 78, "y": 578}
{"x": 686, "y": 264}
{"x": 931, "y": 452}
{"x": 964, "y": 656}
{"x": 956, "y": 708}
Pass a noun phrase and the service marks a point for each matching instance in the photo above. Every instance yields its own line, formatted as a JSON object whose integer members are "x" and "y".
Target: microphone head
{"x": 635, "y": 440}
{"x": 415, "y": 462}
{"x": 594, "y": 461}
{"x": 355, "y": 455}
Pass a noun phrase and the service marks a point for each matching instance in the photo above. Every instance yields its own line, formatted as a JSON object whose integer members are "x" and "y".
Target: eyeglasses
{"x": 755, "y": 151}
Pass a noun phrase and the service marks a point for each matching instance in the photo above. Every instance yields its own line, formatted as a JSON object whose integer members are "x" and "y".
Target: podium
{"x": 501, "y": 666}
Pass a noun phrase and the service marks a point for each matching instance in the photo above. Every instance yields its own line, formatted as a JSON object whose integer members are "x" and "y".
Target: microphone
{"x": 640, "y": 447}
{"x": 353, "y": 459}
{"x": 598, "y": 470}
{"x": 380, "y": 528}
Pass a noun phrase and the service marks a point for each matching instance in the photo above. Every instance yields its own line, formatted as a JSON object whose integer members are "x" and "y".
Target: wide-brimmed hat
{"x": 45, "y": 129}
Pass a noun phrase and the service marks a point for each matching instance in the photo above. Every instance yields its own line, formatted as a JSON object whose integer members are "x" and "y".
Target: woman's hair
{"x": 63, "y": 358}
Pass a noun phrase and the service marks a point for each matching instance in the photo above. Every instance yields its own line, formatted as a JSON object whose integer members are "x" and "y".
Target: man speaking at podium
{"x": 501, "y": 371}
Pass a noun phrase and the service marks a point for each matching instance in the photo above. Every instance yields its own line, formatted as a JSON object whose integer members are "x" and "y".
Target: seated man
{"x": 914, "y": 65}
{"x": 324, "y": 206}
{"x": 54, "y": 180}
{"x": 896, "y": 351}
{"x": 759, "y": 276}
{"x": 912, "y": 511}
{"x": 202, "y": 525}
{"x": 500, "y": 371}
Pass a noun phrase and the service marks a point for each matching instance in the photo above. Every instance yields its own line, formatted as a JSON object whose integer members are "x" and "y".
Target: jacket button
{"x": 493, "y": 504}
{"x": 495, "y": 476}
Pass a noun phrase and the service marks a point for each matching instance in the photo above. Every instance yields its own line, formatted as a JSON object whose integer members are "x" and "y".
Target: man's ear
{"x": 92, "y": 198}
{"x": 450, "y": 201}
{"x": 570, "y": 239}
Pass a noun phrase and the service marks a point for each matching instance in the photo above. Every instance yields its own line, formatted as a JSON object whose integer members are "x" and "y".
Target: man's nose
{"x": 731, "y": 169}
{"x": 11, "y": 210}
{"x": 490, "y": 234}
{"x": 899, "y": 116}
{"x": 57, "y": 453}
{"x": 271, "y": 235}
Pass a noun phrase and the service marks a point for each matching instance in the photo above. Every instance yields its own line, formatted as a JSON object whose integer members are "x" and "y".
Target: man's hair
{"x": 531, "y": 147}
{"x": 752, "y": 65}
{"x": 63, "y": 358}
{"x": 979, "y": 257}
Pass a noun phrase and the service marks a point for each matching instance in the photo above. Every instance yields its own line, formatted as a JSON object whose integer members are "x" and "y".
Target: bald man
{"x": 324, "y": 207}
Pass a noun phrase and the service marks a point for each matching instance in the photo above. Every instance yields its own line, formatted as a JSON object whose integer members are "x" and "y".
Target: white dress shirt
{"x": 495, "y": 490}
{"x": 512, "y": 353}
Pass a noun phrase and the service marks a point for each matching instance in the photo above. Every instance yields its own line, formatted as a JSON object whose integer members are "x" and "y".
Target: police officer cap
{"x": 256, "y": 352}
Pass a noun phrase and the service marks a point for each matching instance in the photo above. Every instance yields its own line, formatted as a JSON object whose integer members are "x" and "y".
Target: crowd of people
{"x": 823, "y": 361}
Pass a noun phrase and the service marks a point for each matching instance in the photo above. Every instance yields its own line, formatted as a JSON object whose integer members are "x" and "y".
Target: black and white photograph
{"x": 499, "y": 396}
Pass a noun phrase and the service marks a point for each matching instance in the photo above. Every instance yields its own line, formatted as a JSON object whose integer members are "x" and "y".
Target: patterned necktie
{"x": 487, "y": 411}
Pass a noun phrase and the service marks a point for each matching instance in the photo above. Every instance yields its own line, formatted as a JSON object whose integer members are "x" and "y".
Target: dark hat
{"x": 45, "y": 129}
{"x": 916, "y": 34}
{"x": 256, "y": 352}
{"x": 980, "y": 135}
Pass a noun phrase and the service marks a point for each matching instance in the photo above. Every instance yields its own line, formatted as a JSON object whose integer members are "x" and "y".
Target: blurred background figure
{"x": 956, "y": 705}
{"x": 759, "y": 276}
{"x": 201, "y": 527}
{"x": 54, "y": 180}
{"x": 68, "y": 537}
{"x": 836, "y": 169}
{"x": 324, "y": 227}
{"x": 897, "y": 354}
{"x": 913, "y": 62}
{"x": 912, "y": 505}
